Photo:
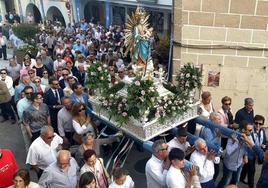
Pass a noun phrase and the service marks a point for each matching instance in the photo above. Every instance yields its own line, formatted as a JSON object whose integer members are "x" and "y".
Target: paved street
{"x": 11, "y": 137}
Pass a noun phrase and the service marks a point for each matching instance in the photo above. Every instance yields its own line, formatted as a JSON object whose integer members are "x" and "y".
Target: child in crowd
{"x": 121, "y": 179}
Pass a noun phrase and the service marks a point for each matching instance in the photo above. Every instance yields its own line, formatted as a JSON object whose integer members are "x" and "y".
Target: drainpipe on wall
{"x": 21, "y": 12}
{"x": 170, "y": 62}
{"x": 107, "y": 13}
{"x": 42, "y": 9}
{"x": 77, "y": 10}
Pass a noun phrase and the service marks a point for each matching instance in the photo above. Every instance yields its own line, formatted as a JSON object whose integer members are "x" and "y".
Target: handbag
{"x": 106, "y": 174}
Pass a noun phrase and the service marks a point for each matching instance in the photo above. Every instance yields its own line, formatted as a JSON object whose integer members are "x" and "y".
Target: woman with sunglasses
{"x": 39, "y": 86}
{"x": 44, "y": 79}
{"x": 26, "y": 67}
{"x": 32, "y": 74}
{"x": 81, "y": 122}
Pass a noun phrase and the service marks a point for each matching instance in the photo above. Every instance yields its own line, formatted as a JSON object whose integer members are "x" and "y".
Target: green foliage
{"x": 26, "y": 32}
{"x": 98, "y": 76}
{"x": 189, "y": 78}
{"x": 114, "y": 89}
{"x": 169, "y": 86}
{"x": 141, "y": 96}
{"x": 142, "y": 100}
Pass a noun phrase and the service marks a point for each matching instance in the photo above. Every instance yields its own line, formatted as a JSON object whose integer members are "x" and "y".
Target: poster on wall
{"x": 213, "y": 78}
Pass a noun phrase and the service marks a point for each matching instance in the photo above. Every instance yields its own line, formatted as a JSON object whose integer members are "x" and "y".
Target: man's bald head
{"x": 63, "y": 159}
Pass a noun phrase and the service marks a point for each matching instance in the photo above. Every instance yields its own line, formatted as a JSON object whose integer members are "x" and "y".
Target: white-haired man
{"x": 63, "y": 173}
{"x": 203, "y": 159}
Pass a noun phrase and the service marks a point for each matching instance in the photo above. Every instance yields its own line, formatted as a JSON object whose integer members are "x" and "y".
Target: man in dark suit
{"x": 52, "y": 98}
{"x": 81, "y": 74}
{"x": 63, "y": 82}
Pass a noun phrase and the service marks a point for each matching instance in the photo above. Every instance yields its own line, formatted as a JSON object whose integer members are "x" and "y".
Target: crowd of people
{"x": 167, "y": 166}
{"x": 46, "y": 94}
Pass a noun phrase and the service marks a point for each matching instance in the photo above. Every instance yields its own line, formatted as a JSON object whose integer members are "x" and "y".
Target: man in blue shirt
{"x": 235, "y": 157}
{"x": 79, "y": 47}
{"x": 246, "y": 113}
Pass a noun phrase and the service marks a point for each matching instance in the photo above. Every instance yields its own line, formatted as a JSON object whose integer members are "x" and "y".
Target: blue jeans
{"x": 209, "y": 184}
{"x": 229, "y": 176}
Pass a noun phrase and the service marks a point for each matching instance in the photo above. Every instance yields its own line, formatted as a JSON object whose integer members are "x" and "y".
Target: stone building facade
{"x": 227, "y": 38}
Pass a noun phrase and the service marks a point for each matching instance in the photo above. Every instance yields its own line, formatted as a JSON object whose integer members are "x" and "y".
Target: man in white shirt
{"x": 157, "y": 166}
{"x": 3, "y": 46}
{"x": 43, "y": 150}
{"x": 203, "y": 159}
{"x": 179, "y": 141}
{"x": 177, "y": 177}
{"x": 6, "y": 107}
{"x": 63, "y": 173}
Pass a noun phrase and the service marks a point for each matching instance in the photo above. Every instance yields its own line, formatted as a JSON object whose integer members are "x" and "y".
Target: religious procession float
{"x": 146, "y": 105}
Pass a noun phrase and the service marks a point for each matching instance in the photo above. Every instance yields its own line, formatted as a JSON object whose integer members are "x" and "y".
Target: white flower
{"x": 124, "y": 100}
{"x": 111, "y": 95}
{"x": 105, "y": 103}
{"x": 173, "y": 108}
{"x": 99, "y": 69}
{"x": 169, "y": 102}
{"x": 105, "y": 66}
{"x": 160, "y": 108}
{"x": 120, "y": 105}
{"x": 180, "y": 102}
{"x": 101, "y": 78}
{"x": 93, "y": 73}
{"x": 187, "y": 75}
{"x": 124, "y": 114}
{"x": 137, "y": 83}
{"x": 142, "y": 92}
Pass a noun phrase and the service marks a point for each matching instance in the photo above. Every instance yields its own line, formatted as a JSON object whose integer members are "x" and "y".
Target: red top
{"x": 8, "y": 167}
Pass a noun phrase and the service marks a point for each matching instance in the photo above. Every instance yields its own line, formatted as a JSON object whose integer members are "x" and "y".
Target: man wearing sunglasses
{"x": 6, "y": 108}
{"x": 157, "y": 166}
{"x": 43, "y": 150}
{"x": 258, "y": 136}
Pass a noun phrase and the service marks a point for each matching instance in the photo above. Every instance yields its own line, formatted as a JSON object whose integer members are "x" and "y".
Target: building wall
{"x": 2, "y": 9}
{"x": 46, "y": 5}
{"x": 239, "y": 28}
